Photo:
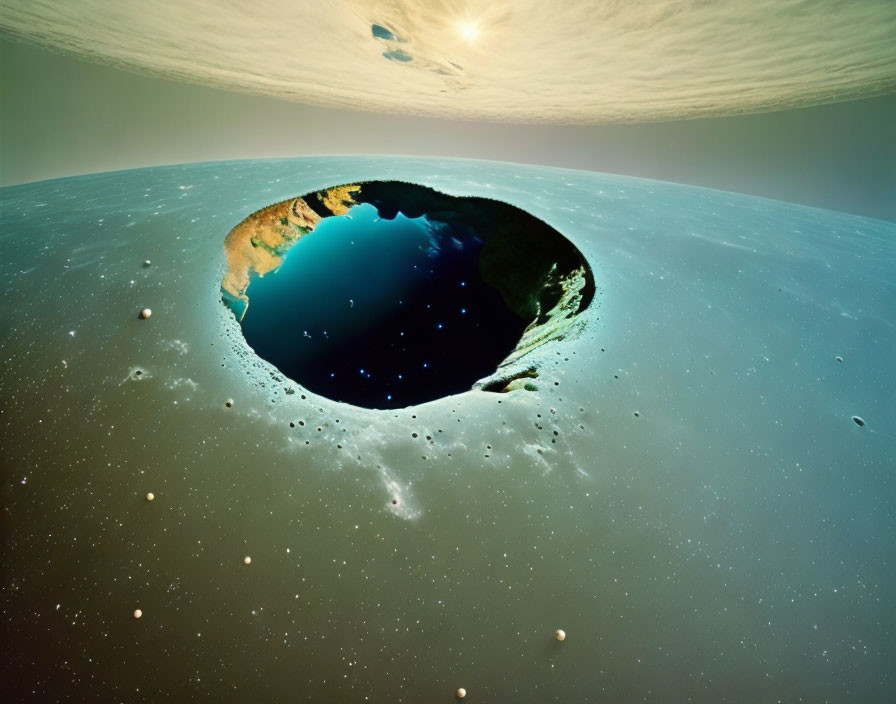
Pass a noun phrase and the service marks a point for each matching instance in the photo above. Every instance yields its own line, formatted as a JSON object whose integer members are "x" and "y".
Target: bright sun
{"x": 468, "y": 30}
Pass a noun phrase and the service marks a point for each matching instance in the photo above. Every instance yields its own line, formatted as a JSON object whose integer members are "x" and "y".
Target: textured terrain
{"x": 528, "y": 61}
{"x": 686, "y": 494}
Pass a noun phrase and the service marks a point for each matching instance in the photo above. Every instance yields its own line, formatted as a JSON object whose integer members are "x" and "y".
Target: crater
{"x": 386, "y": 294}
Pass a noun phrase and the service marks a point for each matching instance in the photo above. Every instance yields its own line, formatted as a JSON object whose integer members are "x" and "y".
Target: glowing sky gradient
{"x": 521, "y": 61}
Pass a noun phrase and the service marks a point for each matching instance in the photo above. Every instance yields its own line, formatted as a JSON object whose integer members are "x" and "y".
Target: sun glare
{"x": 468, "y": 30}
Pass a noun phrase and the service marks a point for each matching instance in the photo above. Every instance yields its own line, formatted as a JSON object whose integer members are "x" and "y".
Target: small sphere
{"x": 145, "y": 313}
{"x": 247, "y": 560}
{"x": 150, "y": 496}
{"x": 147, "y": 262}
{"x": 461, "y": 693}
{"x": 137, "y": 613}
{"x": 560, "y": 634}
{"x": 229, "y": 403}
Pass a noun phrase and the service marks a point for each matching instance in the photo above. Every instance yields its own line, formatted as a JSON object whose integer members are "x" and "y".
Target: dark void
{"x": 389, "y": 294}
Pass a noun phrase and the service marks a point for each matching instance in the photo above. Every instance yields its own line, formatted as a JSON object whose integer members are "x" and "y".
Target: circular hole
{"x": 390, "y": 294}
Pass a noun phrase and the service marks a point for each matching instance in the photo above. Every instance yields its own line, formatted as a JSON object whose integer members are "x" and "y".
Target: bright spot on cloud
{"x": 468, "y": 30}
{"x": 579, "y": 61}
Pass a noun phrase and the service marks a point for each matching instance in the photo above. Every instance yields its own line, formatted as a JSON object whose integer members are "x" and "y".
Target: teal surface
{"x": 381, "y": 312}
{"x": 686, "y": 494}
{"x": 341, "y": 277}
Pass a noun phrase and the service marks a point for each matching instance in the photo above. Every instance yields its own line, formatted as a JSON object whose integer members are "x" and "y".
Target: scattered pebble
{"x": 461, "y": 693}
{"x": 247, "y": 560}
{"x": 858, "y": 421}
{"x": 150, "y": 496}
{"x": 839, "y": 359}
{"x": 229, "y": 403}
{"x": 137, "y": 613}
{"x": 145, "y": 313}
{"x": 147, "y": 262}
{"x": 560, "y": 634}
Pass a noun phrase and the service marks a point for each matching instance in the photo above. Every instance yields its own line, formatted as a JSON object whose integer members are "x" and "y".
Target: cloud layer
{"x": 519, "y": 61}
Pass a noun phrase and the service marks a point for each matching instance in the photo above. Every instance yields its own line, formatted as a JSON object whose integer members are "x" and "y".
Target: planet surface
{"x": 686, "y": 490}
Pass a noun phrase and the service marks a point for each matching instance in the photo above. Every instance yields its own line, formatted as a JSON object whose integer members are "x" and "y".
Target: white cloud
{"x": 527, "y": 61}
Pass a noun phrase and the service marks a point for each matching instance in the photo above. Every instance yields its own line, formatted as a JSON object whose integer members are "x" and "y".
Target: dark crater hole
{"x": 389, "y": 294}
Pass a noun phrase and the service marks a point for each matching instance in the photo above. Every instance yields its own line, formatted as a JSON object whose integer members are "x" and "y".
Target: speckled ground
{"x": 687, "y": 494}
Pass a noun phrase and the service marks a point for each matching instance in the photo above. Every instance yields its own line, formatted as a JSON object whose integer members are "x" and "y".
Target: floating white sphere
{"x": 145, "y": 313}
{"x": 461, "y": 693}
{"x": 560, "y": 634}
{"x": 150, "y": 496}
{"x": 137, "y": 613}
{"x": 247, "y": 560}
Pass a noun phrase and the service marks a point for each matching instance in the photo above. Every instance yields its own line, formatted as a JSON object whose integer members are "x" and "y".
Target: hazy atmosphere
{"x": 448, "y": 350}
{"x": 63, "y": 116}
